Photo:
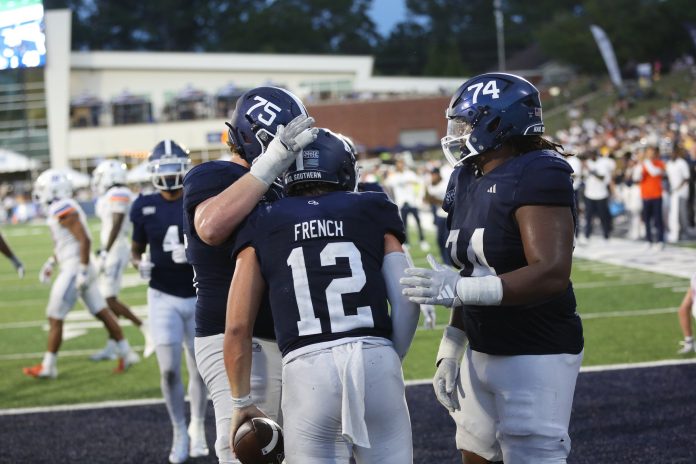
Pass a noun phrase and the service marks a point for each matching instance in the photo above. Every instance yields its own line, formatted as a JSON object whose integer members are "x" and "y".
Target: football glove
{"x": 145, "y": 266}
{"x": 283, "y": 148}
{"x": 47, "y": 270}
{"x": 82, "y": 277}
{"x": 435, "y": 286}
{"x": 179, "y": 254}
{"x": 19, "y": 267}
{"x": 101, "y": 261}
{"x": 449, "y": 358}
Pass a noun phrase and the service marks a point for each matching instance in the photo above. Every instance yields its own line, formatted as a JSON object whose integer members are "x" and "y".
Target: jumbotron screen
{"x": 22, "y": 38}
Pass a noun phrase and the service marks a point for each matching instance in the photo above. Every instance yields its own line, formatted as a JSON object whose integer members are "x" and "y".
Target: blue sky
{"x": 386, "y": 13}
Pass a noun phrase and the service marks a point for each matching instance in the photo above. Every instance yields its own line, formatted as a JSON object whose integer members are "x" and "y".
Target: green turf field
{"x": 629, "y": 316}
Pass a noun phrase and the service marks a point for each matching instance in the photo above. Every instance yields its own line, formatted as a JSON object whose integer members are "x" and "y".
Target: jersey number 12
{"x": 309, "y": 324}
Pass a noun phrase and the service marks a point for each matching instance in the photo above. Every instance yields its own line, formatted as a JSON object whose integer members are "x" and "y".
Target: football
{"x": 259, "y": 441}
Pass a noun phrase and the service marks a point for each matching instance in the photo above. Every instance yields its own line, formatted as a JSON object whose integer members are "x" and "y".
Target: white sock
{"x": 123, "y": 346}
{"x": 111, "y": 344}
{"x": 49, "y": 360}
{"x": 689, "y": 339}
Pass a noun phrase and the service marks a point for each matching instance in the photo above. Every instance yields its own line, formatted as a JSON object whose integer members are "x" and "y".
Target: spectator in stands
{"x": 678, "y": 174}
{"x": 649, "y": 173}
{"x": 405, "y": 187}
{"x": 576, "y": 164}
{"x": 598, "y": 176}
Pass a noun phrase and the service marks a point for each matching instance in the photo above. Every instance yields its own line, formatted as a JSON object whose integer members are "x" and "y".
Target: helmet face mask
{"x": 168, "y": 164}
{"x": 486, "y": 111}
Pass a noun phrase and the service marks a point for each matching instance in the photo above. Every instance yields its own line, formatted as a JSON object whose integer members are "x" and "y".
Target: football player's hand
{"x": 19, "y": 267}
{"x": 283, "y": 148}
{"x": 240, "y": 416}
{"x": 445, "y": 383}
{"x": 101, "y": 261}
{"x": 82, "y": 277}
{"x": 436, "y": 286}
{"x": 47, "y": 270}
{"x": 179, "y": 254}
{"x": 145, "y": 268}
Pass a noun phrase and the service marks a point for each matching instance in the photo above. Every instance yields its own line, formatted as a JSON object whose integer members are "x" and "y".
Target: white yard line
{"x": 409, "y": 383}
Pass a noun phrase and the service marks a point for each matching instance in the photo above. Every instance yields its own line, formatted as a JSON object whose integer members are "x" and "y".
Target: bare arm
{"x": 244, "y": 298}
{"x": 547, "y": 238}
{"x": 5, "y": 249}
{"x": 137, "y": 249}
{"x": 116, "y": 223}
{"x": 72, "y": 222}
{"x": 217, "y": 217}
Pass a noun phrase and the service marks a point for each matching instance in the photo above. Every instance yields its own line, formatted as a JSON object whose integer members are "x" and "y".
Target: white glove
{"x": 47, "y": 270}
{"x": 101, "y": 261}
{"x": 432, "y": 286}
{"x": 449, "y": 358}
{"x": 18, "y": 266}
{"x": 145, "y": 266}
{"x": 283, "y": 148}
{"x": 82, "y": 277}
{"x": 179, "y": 254}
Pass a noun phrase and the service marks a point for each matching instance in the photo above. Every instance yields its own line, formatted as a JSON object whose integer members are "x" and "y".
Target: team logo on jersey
{"x": 148, "y": 210}
{"x": 312, "y": 202}
{"x": 491, "y": 189}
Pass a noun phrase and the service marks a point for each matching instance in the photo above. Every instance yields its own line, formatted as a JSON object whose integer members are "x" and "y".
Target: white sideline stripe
{"x": 409, "y": 383}
{"x": 638, "y": 312}
{"x": 588, "y": 369}
{"x": 63, "y": 354}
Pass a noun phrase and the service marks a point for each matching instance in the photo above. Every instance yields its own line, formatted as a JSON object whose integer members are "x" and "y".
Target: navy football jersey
{"x": 159, "y": 223}
{"x": 213, "y": 266}
{"x": 484, "y": 239}
{"x": 321, "y": 257}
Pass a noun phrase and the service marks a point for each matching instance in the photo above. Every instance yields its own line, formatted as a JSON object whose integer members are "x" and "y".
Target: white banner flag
{"x": 607, "y": 52}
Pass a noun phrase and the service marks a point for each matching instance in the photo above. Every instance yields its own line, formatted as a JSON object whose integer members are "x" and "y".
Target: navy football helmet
{"x": 328, "y": 159}
{"x": 168, "y": 163}
{"x": 256, "y": 118}
{"x": 486, "y": 111}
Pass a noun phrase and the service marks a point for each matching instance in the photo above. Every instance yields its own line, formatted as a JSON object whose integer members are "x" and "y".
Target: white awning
{"x": 11, "y": 161}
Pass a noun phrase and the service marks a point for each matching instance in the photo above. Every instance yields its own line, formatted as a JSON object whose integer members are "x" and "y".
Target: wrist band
{"x": 480, "y": 291}
{"x": 452, "y": 345}
{"x": 243, "y": 402}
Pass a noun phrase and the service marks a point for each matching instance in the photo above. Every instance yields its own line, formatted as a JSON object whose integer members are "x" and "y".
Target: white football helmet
{"x": 108, "y": 174}
{"x": 50, "y": 186}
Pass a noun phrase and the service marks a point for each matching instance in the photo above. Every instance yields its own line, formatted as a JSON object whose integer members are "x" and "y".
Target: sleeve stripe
{"x": 64, "y": 211}
{"x": 119, "y": 198}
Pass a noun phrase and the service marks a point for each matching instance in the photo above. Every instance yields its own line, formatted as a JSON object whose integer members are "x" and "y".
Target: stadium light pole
{"x": 500, "y": 33}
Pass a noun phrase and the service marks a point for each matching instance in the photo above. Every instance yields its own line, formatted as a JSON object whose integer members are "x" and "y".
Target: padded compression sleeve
{"x": 404, "y": 313}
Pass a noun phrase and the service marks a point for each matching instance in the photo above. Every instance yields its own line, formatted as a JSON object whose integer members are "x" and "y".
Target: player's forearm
{"x": 137, "y": 250}
{"x": 85, "y": 245}
{"x": 5, "y": 249}
{"x": 117, "y": 223}
{"x": 237, "y": 356}
{"x": 535, "y": 282}
{"x": 217, "y": 218}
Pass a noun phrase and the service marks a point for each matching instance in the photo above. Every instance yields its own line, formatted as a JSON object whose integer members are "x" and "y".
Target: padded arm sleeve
{"x": 404, "y": 313}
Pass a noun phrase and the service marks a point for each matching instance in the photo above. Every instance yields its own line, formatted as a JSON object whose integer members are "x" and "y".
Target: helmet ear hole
{"x": 493, "y": 125}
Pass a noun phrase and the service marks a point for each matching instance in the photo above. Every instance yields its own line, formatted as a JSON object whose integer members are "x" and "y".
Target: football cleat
{"x": 686, "y": 347}
{"x": 108, "y": 353}
{"x": 180, "y": 446}
{"x": 127, "y": 361}
{"x": 39, "y": 372}
{"x": 196, "y": 432}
